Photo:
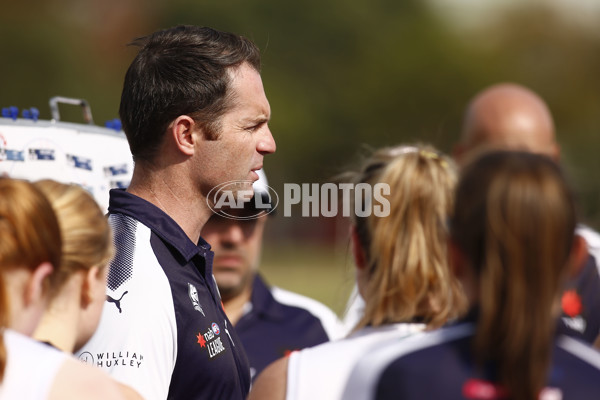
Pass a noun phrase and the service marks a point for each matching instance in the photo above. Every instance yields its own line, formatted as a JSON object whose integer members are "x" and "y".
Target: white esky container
{"x": 91, "y": 156}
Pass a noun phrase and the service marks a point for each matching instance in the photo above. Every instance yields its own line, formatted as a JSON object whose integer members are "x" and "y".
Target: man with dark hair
{"x": 508, "y": 116}
{"x": 270, "y": 321}
{"x": 196, "y": 116}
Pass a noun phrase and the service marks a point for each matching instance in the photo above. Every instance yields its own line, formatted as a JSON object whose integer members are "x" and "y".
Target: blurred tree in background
{"x": 339, "y": 74}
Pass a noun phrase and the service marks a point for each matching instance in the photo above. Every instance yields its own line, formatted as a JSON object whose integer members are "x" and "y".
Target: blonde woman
{"x": 512, "y": 246}
{"x": 401, "y": 272}
{"x": 79, "y": 292}
{"x": 79, "y": 289}
{"x": 30, "y": 251}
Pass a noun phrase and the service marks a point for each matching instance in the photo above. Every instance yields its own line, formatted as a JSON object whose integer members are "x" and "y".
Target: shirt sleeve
{"x": 136, "y": 340}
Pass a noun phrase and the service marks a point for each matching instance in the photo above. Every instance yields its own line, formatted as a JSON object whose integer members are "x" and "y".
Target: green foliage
{"x": 338, "y": 73}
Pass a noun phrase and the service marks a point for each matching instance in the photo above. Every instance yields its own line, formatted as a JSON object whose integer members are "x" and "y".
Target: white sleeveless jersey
{"x": 30, "y": 368}
{"x": 355, "y": 308}
{"x": 592, "y": 239}
{"x": 321, "y": 372}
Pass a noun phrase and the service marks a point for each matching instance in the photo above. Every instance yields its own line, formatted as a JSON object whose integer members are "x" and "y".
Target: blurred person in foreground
{"x": 271, "y": 322}
{"x": 401, "y": 272}
{"x": 79, "y": 292}
{"x": 30, "y": 254}
{"x": 508, "y": 116}
{"x": 195, "y": 114}
{"x": 512, "y": 245}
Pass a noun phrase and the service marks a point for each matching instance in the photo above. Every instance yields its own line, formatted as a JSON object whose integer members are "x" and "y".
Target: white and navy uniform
{"x": 321, "y": 372}
{"x": 580, "y": 301}
{"x": 30, "y": 369}
{"x": 440, "y": 365}
{"x": 355, "y": 309}
{"x": 276, "y": 322}
{"x": 163, "y": 331}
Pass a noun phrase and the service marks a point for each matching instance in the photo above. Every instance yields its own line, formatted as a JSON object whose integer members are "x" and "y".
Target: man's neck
{"x": 169, "y": 192}
{"x": 235, "y": 306}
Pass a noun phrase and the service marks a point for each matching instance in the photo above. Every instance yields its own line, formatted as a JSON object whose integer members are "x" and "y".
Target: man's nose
{"x": 233, "y": 234}
{"x": 266, "y": 144}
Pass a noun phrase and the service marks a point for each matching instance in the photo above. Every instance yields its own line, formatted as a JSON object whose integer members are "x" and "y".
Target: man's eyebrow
{"x": 257, "y": 119}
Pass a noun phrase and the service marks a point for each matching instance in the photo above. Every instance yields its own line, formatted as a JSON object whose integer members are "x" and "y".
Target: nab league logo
{"x": 193, "y": 292}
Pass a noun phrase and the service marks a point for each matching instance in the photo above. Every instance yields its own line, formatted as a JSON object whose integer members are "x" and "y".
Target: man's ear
{"x": 578, "y": 257}
{"x": 36, "y": 284}
{"x": 182, "y": 129}
{"x": 556, "y": 152}
{"x": 357, "y": 250}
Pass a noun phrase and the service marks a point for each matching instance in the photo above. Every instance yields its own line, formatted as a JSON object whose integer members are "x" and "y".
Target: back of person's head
{"x": 184, "y": 70}
{"x": 506, "y": 116}
{"x": 29, "y": 237}
{"x": 405, "y": 252}
{"x": 86, "y": 234}
{"x": 514, "y": 224}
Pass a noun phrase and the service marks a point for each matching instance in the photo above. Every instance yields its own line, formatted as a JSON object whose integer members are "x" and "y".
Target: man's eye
{"x": 257, "y": 126}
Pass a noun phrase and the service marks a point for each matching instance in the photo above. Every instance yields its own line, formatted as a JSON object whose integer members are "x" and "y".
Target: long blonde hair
{"x": 29, "y": 236}
{"x": 514, "y": 221}
{"x": 406, "y": 251}
{"x": 87, "y": 236}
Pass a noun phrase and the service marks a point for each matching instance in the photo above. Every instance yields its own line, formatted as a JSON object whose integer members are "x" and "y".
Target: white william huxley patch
{"x": 119, "y": 358}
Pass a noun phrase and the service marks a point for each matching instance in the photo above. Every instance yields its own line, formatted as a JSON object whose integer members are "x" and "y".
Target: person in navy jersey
{"x": 271, "y": 322}
{"x": 512, "y": 245}
{"x": 196, "y": 116}
{"x": 513, "y": 117}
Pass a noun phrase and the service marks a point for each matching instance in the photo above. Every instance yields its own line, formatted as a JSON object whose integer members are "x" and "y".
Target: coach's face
{"x": 244, "y": 138}
{"x": 237, "y": 247}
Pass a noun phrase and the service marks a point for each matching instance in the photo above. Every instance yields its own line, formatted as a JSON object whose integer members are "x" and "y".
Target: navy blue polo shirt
{"x": 440, "y": 365}
{"x": 278, "y": 322}
{"x": 163, "y": 330}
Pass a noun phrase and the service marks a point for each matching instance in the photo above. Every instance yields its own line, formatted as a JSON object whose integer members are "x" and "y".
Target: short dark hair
{"x": 180, "y": 71}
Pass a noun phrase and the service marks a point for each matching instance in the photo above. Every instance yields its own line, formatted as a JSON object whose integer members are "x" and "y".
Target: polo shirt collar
{"x": 263, "y": 301}
{"x": 123, "y": 202}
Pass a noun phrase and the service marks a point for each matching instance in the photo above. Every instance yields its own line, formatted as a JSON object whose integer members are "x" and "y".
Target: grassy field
{"x": 323, "y": 273}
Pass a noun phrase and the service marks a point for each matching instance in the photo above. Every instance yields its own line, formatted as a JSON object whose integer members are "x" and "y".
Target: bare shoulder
{"x": 76, "y": 380}
{"x": 271, "y": 384}
{"x": 128, "y": 392}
